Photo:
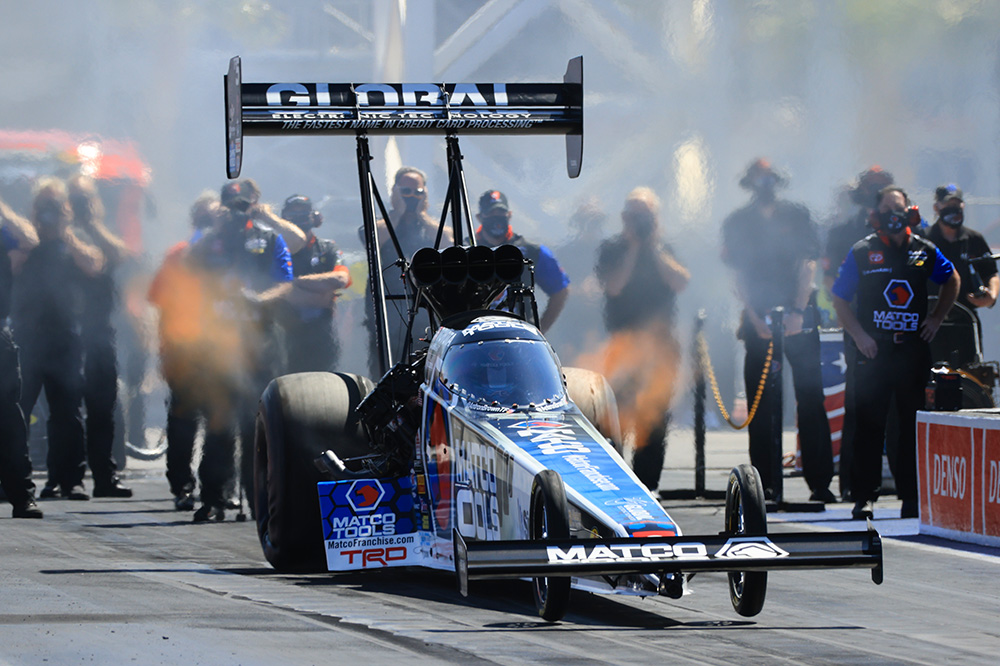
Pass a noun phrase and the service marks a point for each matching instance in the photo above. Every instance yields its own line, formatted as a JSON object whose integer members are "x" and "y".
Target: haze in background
{"x": 679, "y": 96}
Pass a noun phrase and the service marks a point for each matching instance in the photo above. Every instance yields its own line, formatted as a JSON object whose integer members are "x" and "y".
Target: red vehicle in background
{"x": 123, "y": 178}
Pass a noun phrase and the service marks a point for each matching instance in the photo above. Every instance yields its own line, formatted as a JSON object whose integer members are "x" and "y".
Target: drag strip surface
{"x": 133, "y": 580}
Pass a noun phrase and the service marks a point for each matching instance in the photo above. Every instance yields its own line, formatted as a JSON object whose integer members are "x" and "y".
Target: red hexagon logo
{"x": 365, "y": 494}
{"x": 898, "y": 293}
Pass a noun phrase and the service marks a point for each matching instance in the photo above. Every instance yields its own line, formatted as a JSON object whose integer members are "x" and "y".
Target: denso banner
{"x": 958, "y": 467}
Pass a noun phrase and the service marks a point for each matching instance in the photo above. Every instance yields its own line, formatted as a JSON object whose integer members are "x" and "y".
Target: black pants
{"x": 100, "y": 395}
{"x": 56, "y": 365}
{"x": 647, "y": 463}
{"x": 802, "y": 352}
{"x": 182, "y": 428}
{"x": 848, "y": 429}
{"x": 15, "y": 465}
{"x": 900, "y": 371}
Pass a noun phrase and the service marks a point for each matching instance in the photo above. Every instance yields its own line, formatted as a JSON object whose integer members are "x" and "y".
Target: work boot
{"x": 76, "y": 492}
{"x": 50, "y": 490}
{"x": 27, "y": 509}
{"x": 863, "y": 510}
{"x": 209, "y": 512}
{"x": 184, "y": 501}
{"x": 112, "y": 488}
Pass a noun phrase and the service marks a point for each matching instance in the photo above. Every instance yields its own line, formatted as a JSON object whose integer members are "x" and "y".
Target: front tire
{"x": 301, "y": 416}
{"x": 549, "y": 519}
{"x": 746, "y": 515}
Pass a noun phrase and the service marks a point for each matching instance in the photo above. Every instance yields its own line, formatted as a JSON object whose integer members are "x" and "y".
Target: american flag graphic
{"x": 831, "y": 350}
{"x": 834, "y": 368}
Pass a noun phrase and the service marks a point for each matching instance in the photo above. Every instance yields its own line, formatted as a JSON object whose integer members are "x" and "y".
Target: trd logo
{"x": 898, "y": 293}
{"x": 365, "y": 494}
{"x": 380, "y": 556}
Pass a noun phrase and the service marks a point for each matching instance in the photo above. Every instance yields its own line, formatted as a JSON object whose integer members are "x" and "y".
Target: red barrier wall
{"x": 958, "y": 468}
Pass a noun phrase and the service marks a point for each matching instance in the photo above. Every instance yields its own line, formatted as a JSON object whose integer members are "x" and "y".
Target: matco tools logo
{"x": 757, "y": 548}
{"x": 622, "y": 552}
{"x": 898, "y": 293}
{"x": 365, "y": 495}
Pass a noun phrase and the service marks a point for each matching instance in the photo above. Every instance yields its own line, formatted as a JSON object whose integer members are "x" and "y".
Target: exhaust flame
{"x": 641, "y": 366}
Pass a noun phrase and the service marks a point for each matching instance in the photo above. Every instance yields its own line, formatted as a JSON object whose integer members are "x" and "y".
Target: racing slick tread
{"x": 300, "y": 416}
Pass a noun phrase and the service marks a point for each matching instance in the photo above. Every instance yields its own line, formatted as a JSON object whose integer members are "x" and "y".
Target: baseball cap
{"x": 493, "y": 200}
{"x": 948, "y": 192}
{"x": 234, "y": 192}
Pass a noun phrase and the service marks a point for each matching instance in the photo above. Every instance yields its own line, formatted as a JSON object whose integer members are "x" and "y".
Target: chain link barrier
{"x": 706, "y": 363}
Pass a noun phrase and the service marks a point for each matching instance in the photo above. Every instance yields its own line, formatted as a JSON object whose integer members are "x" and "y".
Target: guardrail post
{"x": 699, "y": 407}
{"x": 776, "y": 399}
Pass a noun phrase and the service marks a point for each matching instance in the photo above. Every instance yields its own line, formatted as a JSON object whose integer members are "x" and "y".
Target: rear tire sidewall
{"x": 746, "y": 514}
{"x": 300, "y": 416}
{"x": 594, "y": 397}
{"x": 549, "y": 519}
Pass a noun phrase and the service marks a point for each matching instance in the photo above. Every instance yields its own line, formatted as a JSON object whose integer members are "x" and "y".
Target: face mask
{"x": 893, "y": 221}
{"x": 952, "y": 216}
{"x": 496, "y": 225}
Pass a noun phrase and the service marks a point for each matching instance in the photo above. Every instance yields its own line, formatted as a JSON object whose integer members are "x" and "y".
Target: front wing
{"x": 660, "y": 555}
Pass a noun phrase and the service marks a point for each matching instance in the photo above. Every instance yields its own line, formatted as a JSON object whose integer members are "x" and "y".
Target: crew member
{"x": 414, "y": 229}
{"x": 186, "y": 333}
{"x": 980, "y": 283}
{"x": 495, "y": 230}
{"x": 47, "y": 310}
{"x": 100, "y": 369}
{"x": 887, "y": 272}
{"x": 839, "y": 242}
{"x": 17, "y": 238}
{"x": 308, "y": 318}
{"x": 641, "y": 279}
{"x": 773, "y": 244}
{"x": 243, "y": 265}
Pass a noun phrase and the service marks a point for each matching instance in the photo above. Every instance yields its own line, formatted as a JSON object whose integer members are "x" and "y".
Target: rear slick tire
{"x": 301, "y": 416}
{"x": 746, "y": 515}
{"x": 549, "y": 519}
{"x": 594, "y": 397}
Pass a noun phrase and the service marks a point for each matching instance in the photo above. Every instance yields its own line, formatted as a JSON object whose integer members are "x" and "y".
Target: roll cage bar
{"x": 453, "y": 281}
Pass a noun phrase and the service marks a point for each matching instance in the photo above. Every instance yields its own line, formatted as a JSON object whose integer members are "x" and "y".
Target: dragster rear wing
{"x": 659, "y": 555}
{"x": 404, "y": 108}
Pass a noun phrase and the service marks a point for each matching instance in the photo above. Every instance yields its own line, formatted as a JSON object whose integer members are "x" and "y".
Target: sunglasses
{"x": 412, "y": 191}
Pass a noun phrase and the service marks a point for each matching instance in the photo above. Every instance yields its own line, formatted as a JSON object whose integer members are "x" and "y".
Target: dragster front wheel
{"x": 746, "y": 515}
{"x": 549, "y": 519}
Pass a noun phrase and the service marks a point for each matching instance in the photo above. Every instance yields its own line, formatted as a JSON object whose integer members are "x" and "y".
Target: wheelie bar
{"x": 671, "y": 554}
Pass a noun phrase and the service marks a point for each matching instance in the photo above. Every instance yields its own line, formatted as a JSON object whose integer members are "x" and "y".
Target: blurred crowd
{"x": 252, "y": 292}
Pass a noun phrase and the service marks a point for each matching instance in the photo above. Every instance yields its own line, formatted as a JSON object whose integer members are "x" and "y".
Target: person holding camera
{"x": 307, "y": 310}
{"x": 640, "y": 278}
{"x": 414, "y": 228}
{"x": 100, "y": 367}
{"x": 772, "y": 245}
{"x": 244, "y": 267}
{"x": 17, "y": 239}
{"x": 887, "y": 275}
{"x": 47, "y": 310}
